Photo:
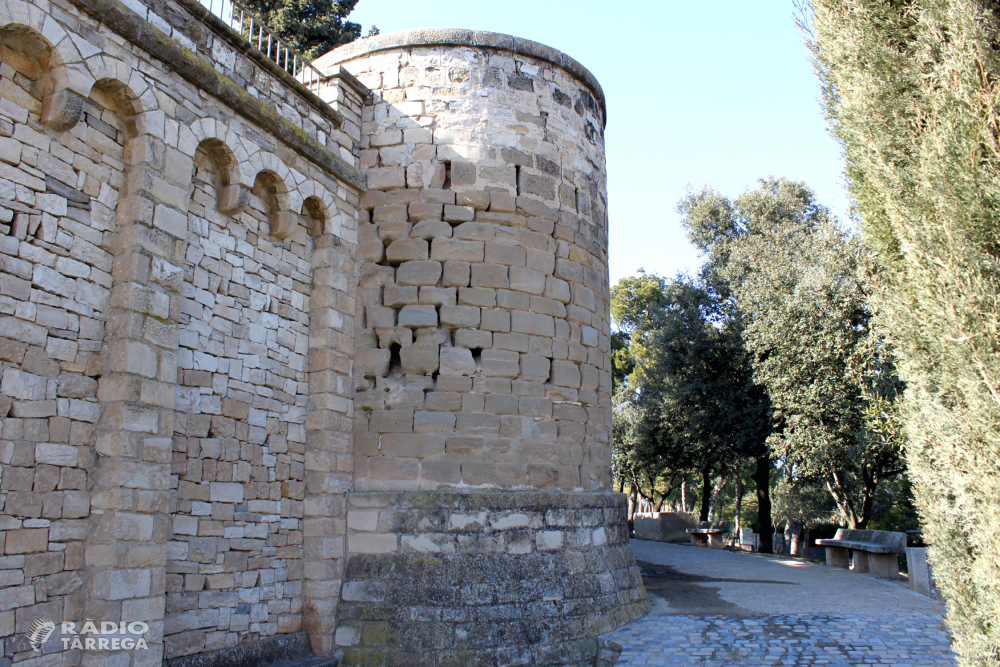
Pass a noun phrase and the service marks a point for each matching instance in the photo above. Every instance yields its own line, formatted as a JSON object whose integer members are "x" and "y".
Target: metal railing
{"x": 250, "y": 26}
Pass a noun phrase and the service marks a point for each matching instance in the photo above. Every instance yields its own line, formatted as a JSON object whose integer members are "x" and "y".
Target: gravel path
{"x": 723, "y": 608}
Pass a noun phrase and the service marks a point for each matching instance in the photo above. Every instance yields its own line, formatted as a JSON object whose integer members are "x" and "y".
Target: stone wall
{"x": 202, "y": 408}
{"x": 512, "y": 578}
{"x": 483, "y": 361}
{"x": 176, "y": 328}
{"x": 484, "y": 341}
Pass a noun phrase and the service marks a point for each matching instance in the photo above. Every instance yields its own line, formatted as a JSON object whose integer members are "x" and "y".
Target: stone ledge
{"x": 528, "y": 500}
{"x": 460, "y": 37}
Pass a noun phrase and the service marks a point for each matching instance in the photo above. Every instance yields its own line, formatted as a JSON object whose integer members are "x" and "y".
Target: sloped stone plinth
{"x": 501, "y": 577}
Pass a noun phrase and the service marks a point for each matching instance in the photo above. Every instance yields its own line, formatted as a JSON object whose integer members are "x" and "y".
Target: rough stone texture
{"x": 495, "y": 577}
{"x": 173, "y": 376}
{"x": 503, "y": 151}
{"x": 188, "y": 237}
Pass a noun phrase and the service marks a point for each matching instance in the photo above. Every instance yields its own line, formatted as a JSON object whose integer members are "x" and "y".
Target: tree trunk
{"x": 684, "y": 499}
{"x": 720, "y": 484}
{"x": 762, "y": 478}
{"x": 706, "y": 493}
{"x": 842, "y": 497}
{"x": 739, "y": 503}
{"x": 868, "y": 504}
{"x": 793, "y": 537}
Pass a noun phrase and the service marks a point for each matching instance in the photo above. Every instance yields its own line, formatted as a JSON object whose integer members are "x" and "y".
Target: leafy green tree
{"x": 636, "y": 306}
{"x": 689, "y": 401}
{"x": 911, "y": 91}
{"x": 796, "y": 278}
{"x": 312, "y": 27}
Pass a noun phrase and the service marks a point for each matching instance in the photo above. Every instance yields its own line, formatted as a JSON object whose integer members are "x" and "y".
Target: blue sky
{"x": 699, "y": 92}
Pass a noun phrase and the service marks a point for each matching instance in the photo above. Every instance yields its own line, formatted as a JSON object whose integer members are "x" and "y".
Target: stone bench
{"x": 665, "y": 526}
{"x": 708, "y": 534}
{"x": 873, "y": 551}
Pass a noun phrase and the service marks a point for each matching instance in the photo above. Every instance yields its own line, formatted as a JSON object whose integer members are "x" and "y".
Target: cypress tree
{"x": 911, "y": 91}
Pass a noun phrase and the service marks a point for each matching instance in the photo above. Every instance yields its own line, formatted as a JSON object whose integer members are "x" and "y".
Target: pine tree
{"x": 311, "y": 27}
{"x": 911, "y": 90}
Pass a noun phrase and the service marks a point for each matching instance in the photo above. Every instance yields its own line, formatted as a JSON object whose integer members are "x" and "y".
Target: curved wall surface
{"x": 483, "y": 345}
{"x": 481, "y": 529}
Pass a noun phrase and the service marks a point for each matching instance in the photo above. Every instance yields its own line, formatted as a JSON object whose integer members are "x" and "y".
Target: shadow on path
{"x": 684, "y": 593}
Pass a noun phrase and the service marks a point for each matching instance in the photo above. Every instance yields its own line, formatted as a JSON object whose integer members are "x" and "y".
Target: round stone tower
{"x": 481, "y": 522}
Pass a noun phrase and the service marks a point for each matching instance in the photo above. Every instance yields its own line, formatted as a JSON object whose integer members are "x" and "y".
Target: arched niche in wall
{"x": 48, "y": 79}
{"x": 272, "y": 191}
{"x": 223, "y": 173}
{"x": 314, "y": 215}
{"x": 29, "y": 55}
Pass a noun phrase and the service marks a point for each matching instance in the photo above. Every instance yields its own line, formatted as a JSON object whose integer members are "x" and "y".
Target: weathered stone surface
{"x": 487, "y": 546}
{"x": 419, "y": 359}
{"x": 214, "y": 326}
{"x": 457, "y": 361}
{"x": 418, "y": 273}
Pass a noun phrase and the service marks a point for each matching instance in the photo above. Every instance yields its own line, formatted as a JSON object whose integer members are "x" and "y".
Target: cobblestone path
{"x": 793, "y": 639}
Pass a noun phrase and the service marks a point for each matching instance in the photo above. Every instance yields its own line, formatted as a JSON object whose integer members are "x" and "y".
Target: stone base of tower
{"x": 485, "y": 578}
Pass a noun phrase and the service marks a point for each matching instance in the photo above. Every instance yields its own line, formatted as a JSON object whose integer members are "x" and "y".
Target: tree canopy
{"x": 312, "y": 27}
{"x": 688, "y": 405}
{"x": 797, "y": 281}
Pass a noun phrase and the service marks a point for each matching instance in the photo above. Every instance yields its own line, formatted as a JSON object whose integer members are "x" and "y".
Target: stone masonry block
{"x": 386, "y": 178}
{"x": 394, "y": 296}
{"x": 495, "y": 320}
{"x": 473, "y": 339}
{"x": 391, "y": 421}
{"x": 508, "y": 255}
{"x": 527, "y": 280}
{"x": 26, "y": 541}
{"x": 380, "y": 317}
{"x": 500, "y": 363}
{"x": 425, "y": 211}
{"x": 392, "y": 212}
{"x": 532, "y": 323}
{"x": 419, "y": 273}
{"x": 456, "y": 274}
{"x": 534, "y": 368}
{"x": 444, "y": 250}
{"x": 489, "y": 275}
{"x": 393, "y": 230}
{"x": 431, "y": 229}
{"x": 477, "y": 296}
{"x": 476, "y": 231}
{"x": 121, "y": 584}
{"x": 459, "y": 213}
{"x": 419, "y": 360}
{"x": 457, "y": 361}
{"x": 459, "y": 317}
{"x": 418, "y": 317}
{"x": 439, "y": 296}
{"x": 371, "y": 363}
{"x": 565, "y": 374}
{"x": 406, "y": 250}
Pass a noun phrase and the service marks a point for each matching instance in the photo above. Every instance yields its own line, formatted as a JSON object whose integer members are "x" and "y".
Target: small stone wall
{"x": 499, "y": 577}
